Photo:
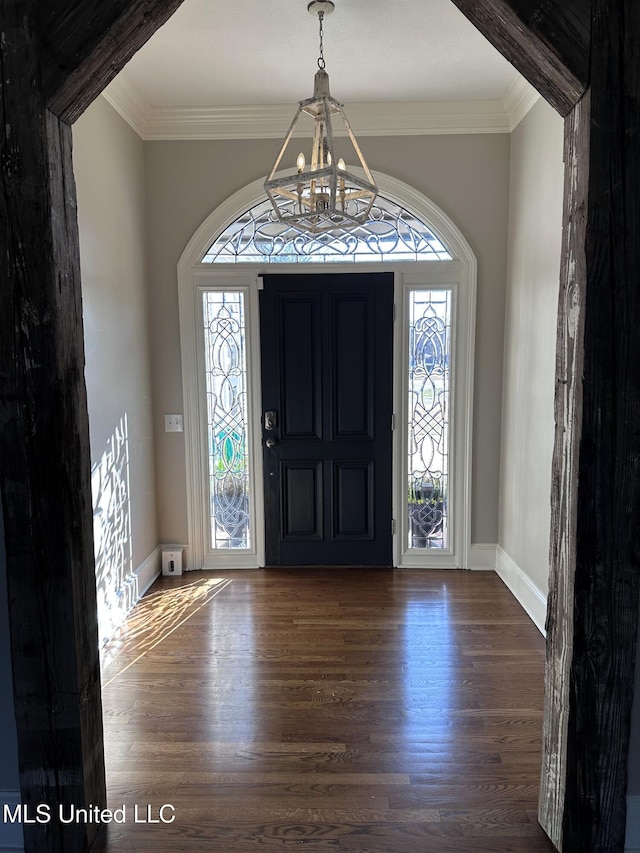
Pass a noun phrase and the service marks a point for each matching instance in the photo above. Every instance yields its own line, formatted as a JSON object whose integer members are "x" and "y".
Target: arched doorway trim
{"x": 458, "y": 275}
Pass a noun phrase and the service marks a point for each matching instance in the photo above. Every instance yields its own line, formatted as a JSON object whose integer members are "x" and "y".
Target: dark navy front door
{"x": 326, "y": 344}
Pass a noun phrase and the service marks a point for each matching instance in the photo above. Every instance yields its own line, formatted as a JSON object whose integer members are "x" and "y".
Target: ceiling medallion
{"x": 321, "y": 193}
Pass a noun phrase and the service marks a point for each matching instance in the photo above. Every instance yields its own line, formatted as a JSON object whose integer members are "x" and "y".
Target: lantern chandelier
{"x": 321, "y": 194}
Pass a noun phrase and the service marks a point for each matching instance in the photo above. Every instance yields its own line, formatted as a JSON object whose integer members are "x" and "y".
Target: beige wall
{"x": 467, "y": 176}
{"x": 109, "y": 170}
{"x": 535, "y": 230}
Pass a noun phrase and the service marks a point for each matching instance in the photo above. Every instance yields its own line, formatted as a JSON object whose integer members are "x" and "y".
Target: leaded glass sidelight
{"x": 227, "y": 440}
{"x": 391, "y": 233}
{"x": 429, "y": 392}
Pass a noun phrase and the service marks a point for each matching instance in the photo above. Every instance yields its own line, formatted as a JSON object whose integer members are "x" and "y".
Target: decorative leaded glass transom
{"x": 392, "y": 233}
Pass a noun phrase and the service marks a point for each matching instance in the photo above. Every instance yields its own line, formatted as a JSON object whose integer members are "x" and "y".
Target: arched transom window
{"x": 392, "y": 233}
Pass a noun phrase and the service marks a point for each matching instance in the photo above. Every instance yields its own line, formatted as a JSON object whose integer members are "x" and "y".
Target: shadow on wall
{"x": 116, "y": 584}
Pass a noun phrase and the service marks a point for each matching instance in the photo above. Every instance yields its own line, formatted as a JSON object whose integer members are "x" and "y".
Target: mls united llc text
{"x": 68, "y": 813}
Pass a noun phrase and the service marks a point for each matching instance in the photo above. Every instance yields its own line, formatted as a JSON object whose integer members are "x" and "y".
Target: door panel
{"x": 301, "y": 379}
{"x": 352, "y": 366}
{"x": 353, "y": 488}
{"x": 301, "y": 500}
{"x": 326, "y": 344}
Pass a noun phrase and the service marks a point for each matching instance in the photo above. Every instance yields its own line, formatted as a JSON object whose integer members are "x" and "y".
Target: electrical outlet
{"x": 173, "y": 423}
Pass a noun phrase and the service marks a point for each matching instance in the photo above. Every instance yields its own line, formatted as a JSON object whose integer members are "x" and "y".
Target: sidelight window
{"x": 428, "y": 408}
{"x": 227, "y": 444}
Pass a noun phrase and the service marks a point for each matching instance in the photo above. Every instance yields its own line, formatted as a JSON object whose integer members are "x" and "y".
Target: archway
{"x": 565, "y": 49}
{"x": 232, "y": 248}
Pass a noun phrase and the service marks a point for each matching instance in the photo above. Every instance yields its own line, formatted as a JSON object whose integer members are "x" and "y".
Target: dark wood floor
{"x": 326, "y": 710}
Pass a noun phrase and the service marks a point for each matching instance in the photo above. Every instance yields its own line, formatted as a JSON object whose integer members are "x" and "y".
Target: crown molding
{"x": 381, "y": 119}
{"x": 401, "y": 118}
{"x": 126, "y": 100}
{"x": 518, "y": 100}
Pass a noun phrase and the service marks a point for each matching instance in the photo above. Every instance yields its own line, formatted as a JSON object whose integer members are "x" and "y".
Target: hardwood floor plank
{"x": 339, "y": 710}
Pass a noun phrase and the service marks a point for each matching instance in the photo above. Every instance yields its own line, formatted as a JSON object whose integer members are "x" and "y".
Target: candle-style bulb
{"x": 328, "y": 158}
{"x": 300, "y": 162}
{"x": 341, "y": 164}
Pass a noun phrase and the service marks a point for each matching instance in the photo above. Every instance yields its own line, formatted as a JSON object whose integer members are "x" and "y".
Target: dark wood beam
{"x": 84, "y": 43}
{"x": 44, "y": 453}
{"x": 595, "y": 578}
{"x": 565, "y": 469}
{"x": 546, "y": 40}
{"x": 607, "y": 577}
{"x": 44, "y": 438}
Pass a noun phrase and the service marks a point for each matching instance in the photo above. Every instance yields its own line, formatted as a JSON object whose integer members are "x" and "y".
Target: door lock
{"x": 270, "y": 420}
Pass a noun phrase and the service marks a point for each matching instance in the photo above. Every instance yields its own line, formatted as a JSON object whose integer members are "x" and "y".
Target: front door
{"x": 326, "y": 343}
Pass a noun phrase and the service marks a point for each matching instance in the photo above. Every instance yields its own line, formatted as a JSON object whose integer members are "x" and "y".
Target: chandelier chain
{"x": 321, "y": 62}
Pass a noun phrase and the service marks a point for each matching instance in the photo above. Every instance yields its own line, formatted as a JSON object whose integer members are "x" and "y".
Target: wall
{"x": 109, "y": 170}
{"x": 467, "y": 176}
{"x": 535, "y": 230}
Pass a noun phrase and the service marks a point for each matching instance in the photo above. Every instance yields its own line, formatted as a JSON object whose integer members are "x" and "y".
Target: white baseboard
{"x": 11, "y": 836}
{"x": 482, "y": 558}
{"x": 632, "y": 841}
{"x": 147, "y": 572}
{"x": 532, "y": 599}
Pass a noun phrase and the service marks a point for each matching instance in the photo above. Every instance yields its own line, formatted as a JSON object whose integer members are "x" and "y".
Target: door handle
{"x": 270, "y": 420}
{"x": 271, "y": 442}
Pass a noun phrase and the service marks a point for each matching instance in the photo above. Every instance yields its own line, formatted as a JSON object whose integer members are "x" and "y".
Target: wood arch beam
{"x": 546, "y": 40}
{"x": 56, "y": 56}
{"x": 83, "y": 45}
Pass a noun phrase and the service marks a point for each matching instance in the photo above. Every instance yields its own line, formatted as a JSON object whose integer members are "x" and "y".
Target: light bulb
{"x": 328, "y": 158}
{"x": 300, "y": 162}
{"x": 341, "y": 184}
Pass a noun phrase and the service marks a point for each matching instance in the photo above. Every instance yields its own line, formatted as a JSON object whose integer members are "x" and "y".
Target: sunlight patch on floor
{"x": 154, "y": 618}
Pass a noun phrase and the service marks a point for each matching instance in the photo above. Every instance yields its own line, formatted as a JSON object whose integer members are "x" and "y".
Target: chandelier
{"x": 321, "y": 193}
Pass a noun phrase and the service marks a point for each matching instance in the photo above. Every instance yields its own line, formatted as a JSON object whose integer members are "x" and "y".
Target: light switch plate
{"x": 173, "y": 423}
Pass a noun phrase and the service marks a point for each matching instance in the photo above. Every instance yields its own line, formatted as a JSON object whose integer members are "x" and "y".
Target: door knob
{"x": 271, "y": 442}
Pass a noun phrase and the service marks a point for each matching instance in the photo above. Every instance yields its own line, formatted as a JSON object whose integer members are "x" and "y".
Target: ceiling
{"x": 219, "y": 62}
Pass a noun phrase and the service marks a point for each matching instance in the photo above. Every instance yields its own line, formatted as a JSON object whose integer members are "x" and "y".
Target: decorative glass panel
{"x": 428, "y": 455}
{"x": 226, "y": 377}
{"x": 391, "y": 234}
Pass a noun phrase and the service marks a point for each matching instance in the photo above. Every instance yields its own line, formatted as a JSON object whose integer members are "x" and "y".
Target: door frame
{"x": 434, "y": 276}
{"x": 199, "y": 554}
{"x": 194, "y": 277}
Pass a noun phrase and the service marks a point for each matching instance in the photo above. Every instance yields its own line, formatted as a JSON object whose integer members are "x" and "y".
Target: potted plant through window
{"x": 427, "y": 509}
